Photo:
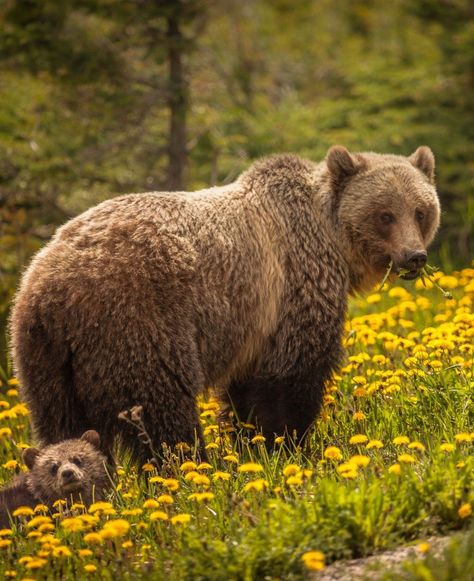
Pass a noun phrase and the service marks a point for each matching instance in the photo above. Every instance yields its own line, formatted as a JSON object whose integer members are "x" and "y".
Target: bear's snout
{"x": 69, "y": 475}
{"x": 412, "y": 261}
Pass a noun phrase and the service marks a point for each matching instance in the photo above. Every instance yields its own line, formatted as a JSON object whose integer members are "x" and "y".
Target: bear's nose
{"x": 416, "y": 260}
{"x": 68, "y": 475}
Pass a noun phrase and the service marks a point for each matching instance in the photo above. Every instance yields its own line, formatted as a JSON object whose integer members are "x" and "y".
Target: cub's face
{"x": 71, "y": 469}
{"x": 388, "y": 209}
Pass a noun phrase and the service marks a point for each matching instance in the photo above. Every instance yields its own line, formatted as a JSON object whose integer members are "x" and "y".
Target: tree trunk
{"x": 178, "y": 105}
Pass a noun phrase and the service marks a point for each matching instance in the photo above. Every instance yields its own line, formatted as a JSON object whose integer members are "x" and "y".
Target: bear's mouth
{"x": 71, "y": 487}
{"x": 410, "y": 275}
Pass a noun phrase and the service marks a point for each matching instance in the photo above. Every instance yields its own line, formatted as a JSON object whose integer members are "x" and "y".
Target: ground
{"x": 389, "y": 465}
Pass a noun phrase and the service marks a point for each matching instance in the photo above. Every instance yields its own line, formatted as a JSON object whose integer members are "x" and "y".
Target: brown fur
{"x": 73, "y": 470}
{"x": 146, "y": 299}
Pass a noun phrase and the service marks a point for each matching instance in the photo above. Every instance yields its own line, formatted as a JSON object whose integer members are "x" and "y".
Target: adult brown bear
{"x": 146, "y": 299}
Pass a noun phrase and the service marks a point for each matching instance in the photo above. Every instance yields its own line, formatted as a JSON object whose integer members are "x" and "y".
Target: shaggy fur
{"x": 146, "y": 299}
{"x": 73, "y": 469}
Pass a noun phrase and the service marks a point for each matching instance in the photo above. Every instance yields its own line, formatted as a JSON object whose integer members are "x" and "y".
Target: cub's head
{"x": 71, "y": 469}
{"x": 387, "y": 209}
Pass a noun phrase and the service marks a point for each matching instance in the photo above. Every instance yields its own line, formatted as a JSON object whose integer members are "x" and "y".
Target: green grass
{"x": 409, "y": 373}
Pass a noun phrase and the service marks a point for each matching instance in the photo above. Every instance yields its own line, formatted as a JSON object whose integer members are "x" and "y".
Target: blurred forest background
{"x": 102, "y": 97}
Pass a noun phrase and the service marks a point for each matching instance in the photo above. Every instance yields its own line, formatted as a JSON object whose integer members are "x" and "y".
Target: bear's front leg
{"x": 278, "y": 406}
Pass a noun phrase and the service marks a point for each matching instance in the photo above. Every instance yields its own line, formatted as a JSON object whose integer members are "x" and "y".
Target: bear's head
{"x": 386, "y": 209}
{"x": 70, "y": 469}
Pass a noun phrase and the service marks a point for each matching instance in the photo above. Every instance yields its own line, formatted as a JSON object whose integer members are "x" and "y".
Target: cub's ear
{"x": 423, "y": 159}
{"x": 341, "y": 165}
{"x": 92, "y": 437}
{"x": 29, "y": 457}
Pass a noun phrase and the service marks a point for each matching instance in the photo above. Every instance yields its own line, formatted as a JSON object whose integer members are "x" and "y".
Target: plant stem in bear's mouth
{"x": 389, "y": 270}
{"x": 428, "y": 272}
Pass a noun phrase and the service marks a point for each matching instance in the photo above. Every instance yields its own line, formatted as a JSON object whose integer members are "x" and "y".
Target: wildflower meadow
{"x": 389, "y": 463}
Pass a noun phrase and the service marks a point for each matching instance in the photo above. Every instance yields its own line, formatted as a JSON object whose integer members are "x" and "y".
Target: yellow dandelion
{"x": 5, "y": 532}
{"x": 423, "y": 547}
{"x": 204, "y": 466}
{"x": 201, "y": 496}
{"x": 463, "y": 437}
{"x": 190, "y": 476}
{"x": 358, "y": 439}
{"x": 465, "y": 510}
{"x": 359, "y": 416}
{"x": 23, "y": 511}
{"x": 36, "y": 564}
{"x": 180, "y": 519}
{"x": 257, "y": 485}
{"x": 115, "y": 528}
{"x": 156, "y": 479}
{"x": 291, "y": 470}
{"x": 92, "y": 539}
{"x": 4, "y": 543}
{"x": 61, "y": 551}
{"x": 258, "y": 439}
{"x": 406, "y": 459}
{"x": 132, "y": 512}
{"x": 11, "y": 465}
{"x": 296, "y": 480}
{"x": 374, "y": 444}
{"x": 231, "y": 458}
{"x": 151, "y": 503}
{"x": 446, "y": 447}
{"x": 219, "y": 475}
{"x": 279, "y": 440}
{"x": 165, "y": 499}
{"x": 85, "y": 553}
{"x": 359, "y": 460}
{"x": 395, "y": 469}
{"x": 90, "y": 568}
{"x": 250, "y": 467}
{"x": 201, "y": 480}
{"x": 158, "y": 515}
{"x": 401, "y": 440}
{"x": 188, "y": 466}
{"x": 416, "y": 446}
{"x": 171, "y": 484}
{"x": 104, "y": 507}
{"x": 333, "y": 453}
{"x": 313, "y": 560}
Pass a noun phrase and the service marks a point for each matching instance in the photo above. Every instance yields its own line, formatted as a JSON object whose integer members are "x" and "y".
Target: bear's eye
{"x": 419, "y": 215}
{"x": 76, "y": 460}
{"x": 387, "y": 218}
{"x": 54, "y": 469}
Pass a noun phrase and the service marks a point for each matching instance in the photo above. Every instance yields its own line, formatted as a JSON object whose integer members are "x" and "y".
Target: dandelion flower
{"x": 358, "y": 439}
{"x": 401, "y": 440}
{"x": 313, "y": 560}
{"x": 423, "y": 547}
{"x": 188, "y": 466}
{"x": 359, "y": 460}
{"x": 446, "y": 447}
{"x": 374, "y": 444}
{"x": 171, "y": 484}
{"x": 250, "y": 467}
{"x": 165, "y": 499}
{"x": 416, "y": 446}
{"x": 180, "y": 519}
{"x": 201, "y": 496}
{"x": 463, "y": 437}
{"x": 258, "y": 439}
{"x": 151, "y": 503}
{"x": 231, "y": 458}
{"x": 219, "y": 475}
{"x": 158, "y": 515}
{"x": 395, "y": 469}
{"x": 406, "y": 458}
{"x": 256, "y": 485}
{"x": 465, "y": 510}
{"x": 359, "y": 416}
{"x": 291, "y": 470}
{"x": 23, "y": 511}
{"x": 92, "y": 539}
{"x": 90, "y": 568}
{"x": 333, "y": 453}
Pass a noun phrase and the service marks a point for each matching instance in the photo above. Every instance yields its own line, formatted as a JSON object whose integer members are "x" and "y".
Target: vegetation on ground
{"x": 389, "y": 462}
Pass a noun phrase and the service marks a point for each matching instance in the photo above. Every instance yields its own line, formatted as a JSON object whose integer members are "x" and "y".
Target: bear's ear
{"x": 423, "y": 159}
{"x": 29, "y": 457}
{"x": 92, "y": 437}
{"x": 341, "y": 165}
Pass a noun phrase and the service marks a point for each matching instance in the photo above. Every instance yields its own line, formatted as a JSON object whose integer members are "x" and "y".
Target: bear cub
{"x": 73, "y": 469}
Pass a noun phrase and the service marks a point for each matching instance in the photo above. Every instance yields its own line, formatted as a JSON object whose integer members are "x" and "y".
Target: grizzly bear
{"x": 147, "y": 299}
{"x": 74, "y": 469}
